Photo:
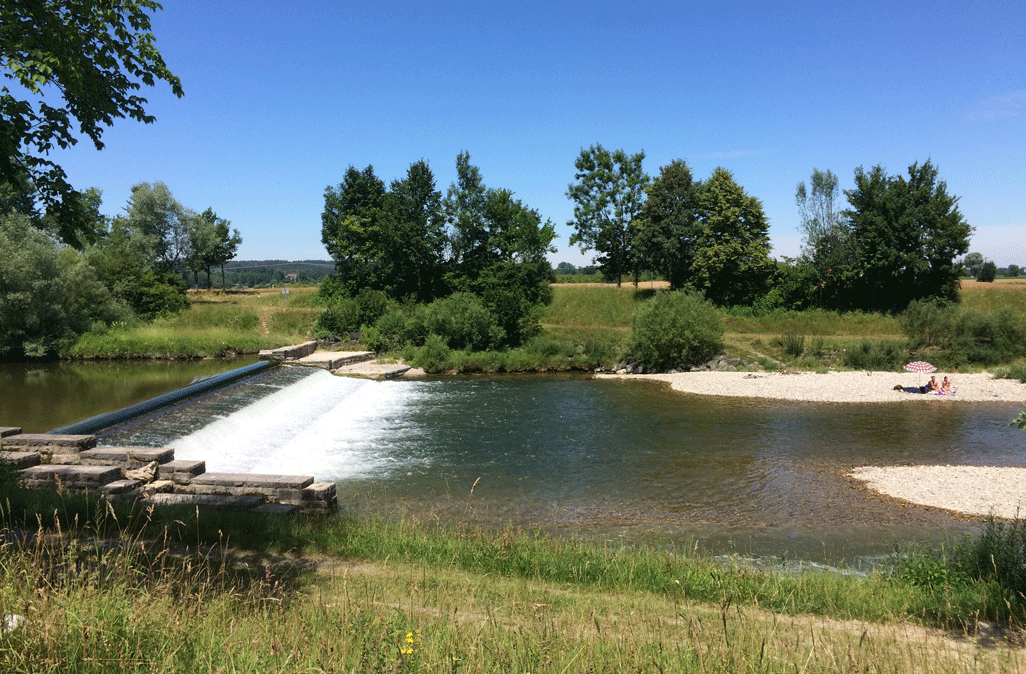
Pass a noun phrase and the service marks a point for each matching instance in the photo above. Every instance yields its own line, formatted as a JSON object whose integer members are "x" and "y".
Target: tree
{"x": 202, "y": 240}
{"x": 988, "y": 272}
{"x": 411, "y": 240}
{"x": 498, "y": 248}
{"x": 48, "y": 294}
{"x": 904, "y": 237}
{"x": 350, "y": 218}
{"x": 731, "y": 260}
{"x": 228, "y": 242}
{"x": 1014, "y": 270}
{"x": 91, "y": 56}
{"x": 669, "y": 229}
{"x": 165, "y": 223}
{"x": 824, "y": 231}
{"x": 973, "y": 262}
{"x": 608, "y": 197}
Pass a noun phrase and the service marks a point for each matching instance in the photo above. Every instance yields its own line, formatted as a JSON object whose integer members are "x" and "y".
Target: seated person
{"x": 947, "y": 388}
{"x": 933, "y": 386}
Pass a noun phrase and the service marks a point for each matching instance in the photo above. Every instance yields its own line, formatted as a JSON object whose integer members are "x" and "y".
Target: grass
{"x": 216, "y": 324}
{"x": 116, "y": 588}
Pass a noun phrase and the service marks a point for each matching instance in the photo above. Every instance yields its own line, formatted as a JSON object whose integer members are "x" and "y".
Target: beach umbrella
{"x": 920, "y": 366}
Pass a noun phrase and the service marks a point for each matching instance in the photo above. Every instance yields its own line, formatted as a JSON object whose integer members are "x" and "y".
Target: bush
{"x": 341, "y": 317}
{"x": 675, "y": 329}
{"x": 965, "y": 336}
{"x": 793, "y": 343}
{"x": 879, "y": 356}
{"x": 988, "y": 272}
{"x": 929, "y": 322}
{"x": 463, "y": 322}
{"x": 434, "y": 355}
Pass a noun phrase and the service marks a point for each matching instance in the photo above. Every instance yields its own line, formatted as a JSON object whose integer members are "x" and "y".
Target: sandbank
{"x": 971, "y": 490}
{"x": 841, "y": 387}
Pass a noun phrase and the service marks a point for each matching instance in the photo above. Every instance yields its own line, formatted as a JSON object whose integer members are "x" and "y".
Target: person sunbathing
{"x": 947, "y": 388}
{"x": 933, "y": 386}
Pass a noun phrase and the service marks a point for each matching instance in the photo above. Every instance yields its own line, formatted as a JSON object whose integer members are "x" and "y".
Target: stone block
{"x": 181, "y": 470}
{"x": 126, "y": 457}
{"x": 120, "y": 486}
{"x": 276, "y": 508}
{"x": 205, "y": 500}
{"x": 50, "y": 444}
{"x": 71, "y": 476}
{"x": 21, "y": 459}
{"x": 7, "y": 431}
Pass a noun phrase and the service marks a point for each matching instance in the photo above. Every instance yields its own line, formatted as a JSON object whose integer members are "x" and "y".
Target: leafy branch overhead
{"x": 73, "y": 63}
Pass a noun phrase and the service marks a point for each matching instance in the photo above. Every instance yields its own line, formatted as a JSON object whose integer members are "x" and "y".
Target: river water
{"x": 623, "y": 461}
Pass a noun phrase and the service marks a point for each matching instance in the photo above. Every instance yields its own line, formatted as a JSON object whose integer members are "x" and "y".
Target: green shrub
{"x": 879, "y": 356}
{"x": 929, "y": 323}
{"x": 463, "y": 322}
{"x": 793, "y": 343}
{"x": 390, "y": 332}
{"x": 434, "y": 355}
{"x": 675, "y": 329}
{"x": 341, "y": 317}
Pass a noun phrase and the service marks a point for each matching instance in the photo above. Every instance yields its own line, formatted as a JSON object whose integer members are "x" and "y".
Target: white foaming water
{"x": 327, "y": 426}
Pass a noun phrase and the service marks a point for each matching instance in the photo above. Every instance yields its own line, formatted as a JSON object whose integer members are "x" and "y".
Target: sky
{"x": 281, "y": 98}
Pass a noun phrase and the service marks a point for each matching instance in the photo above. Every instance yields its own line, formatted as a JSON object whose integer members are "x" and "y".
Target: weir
{"x": 69, "y": 455}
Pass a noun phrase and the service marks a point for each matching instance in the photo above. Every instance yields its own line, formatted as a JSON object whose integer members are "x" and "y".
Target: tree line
{"x": 897, "y": 241}
{"x": 408, "y": 242}
{"x": 129, "y": 267}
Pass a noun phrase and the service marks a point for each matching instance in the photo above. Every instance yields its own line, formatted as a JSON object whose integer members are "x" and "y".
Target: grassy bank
{"x": 216, "y": 324}
{"x": 110, "y": 589}
{"x": 587, "y": 327}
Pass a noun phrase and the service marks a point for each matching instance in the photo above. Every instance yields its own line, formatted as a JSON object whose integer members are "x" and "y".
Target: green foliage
{"x": 793, "y": 343}
{"x": 988, "y": 272}
{"x": 669, "y": 232}
{"x": 732, "y": 264}
{"x": 89, "y": 58}
{"x": 463, "y": 322}
{"x": 877, "y": 356}
{"x": 434, "y": 355}
{"x": 48, "y": 295}
{"x": 608, "y": 196}
{"x": 904, "y": 236}
{"x": 793, "y": 285}
{"x": 675, "y": 329}
{"x": 965, "y": 336}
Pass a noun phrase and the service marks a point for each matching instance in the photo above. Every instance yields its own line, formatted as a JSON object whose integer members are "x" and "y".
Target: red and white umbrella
{"x": 920, "y": 366}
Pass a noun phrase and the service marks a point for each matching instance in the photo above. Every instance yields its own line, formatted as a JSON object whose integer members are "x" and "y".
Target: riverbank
{"x": 977, "y": 491}
{"x": 840, "y": 387}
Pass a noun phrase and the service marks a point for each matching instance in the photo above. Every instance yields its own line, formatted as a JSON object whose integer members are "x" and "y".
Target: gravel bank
{"x": 841, "y": 387}
{"x": 970, "y": 490}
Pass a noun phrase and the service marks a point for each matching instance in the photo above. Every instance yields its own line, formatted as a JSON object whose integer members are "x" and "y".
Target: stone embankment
{"x": 154, "y": 476}
{"x": 348, "y": 363}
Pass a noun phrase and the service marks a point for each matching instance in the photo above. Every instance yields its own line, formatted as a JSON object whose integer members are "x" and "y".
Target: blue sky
{"x": 280, "y": 98}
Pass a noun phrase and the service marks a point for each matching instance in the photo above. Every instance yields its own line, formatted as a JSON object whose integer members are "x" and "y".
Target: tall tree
{"x": 823, "y": 230}
{"x": 154, "y": 212}
{"x": 412, "y": 238}
{"x": 227, "y": 245}
{"x": 498, "y": 247}
{"x": 973, "y": 263}
{"x": 608, "y": 195}
{"x": 904, "y": 239}
{"x": 90, "y": 56}
{"x": 670, "y": 229}
{"x": 731, "y": 263}
{"x": 348, "y": 225}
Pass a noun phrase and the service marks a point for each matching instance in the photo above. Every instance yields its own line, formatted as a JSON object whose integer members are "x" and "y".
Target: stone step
{"x": 6, "y": 431}
{"x": 21, "y": 460}
{"x": 181, "y": 471}
{"x": 280, "y": 488}
{"x": 206, "y": 500}
{"x": 293, "y": 352}
{"x": 56, "y": 449}
{"x": 73, "y": 476}
{"x": 332, "y": 360}
{"x": 125, "y": 457}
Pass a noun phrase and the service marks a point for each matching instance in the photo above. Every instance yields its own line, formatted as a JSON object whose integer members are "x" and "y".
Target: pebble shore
{"x": 978, "y": 491}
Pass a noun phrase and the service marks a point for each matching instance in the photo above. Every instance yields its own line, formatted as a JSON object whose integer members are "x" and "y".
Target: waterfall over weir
{"x": 292, "y": 420}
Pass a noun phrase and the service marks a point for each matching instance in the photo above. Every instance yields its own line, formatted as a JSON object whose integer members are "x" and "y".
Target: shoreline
{"x": 974, "y": 491}
{"x": 839, "y": 387}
